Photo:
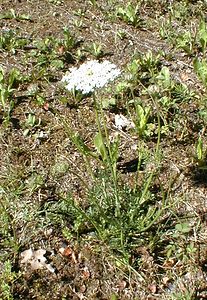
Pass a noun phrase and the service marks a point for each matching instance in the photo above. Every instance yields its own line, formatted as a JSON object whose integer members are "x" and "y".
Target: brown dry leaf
{"x": 74, "y": 258}
{"x": 61, "y": 50}
{"x": 86, "y": 273}
{"x": 152, "y": 288}
{"x": 82, "y": 288}
{"x": 46, "y": 106}
{"x": 66, "y": 251}
{"x": 121, "y": 285}
{"x": 165, "y": 280}
{"x": 169, "y": 263}
{"x": 184, "y": 76}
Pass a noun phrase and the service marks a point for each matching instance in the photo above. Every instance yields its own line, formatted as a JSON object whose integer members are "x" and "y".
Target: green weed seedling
{"x": 69, "y": 40}
{"x": 7, "y": 88}
{"x": 109, "y": 103}
{"x": 187, "y": 42}
{"x": 10, "y": 41}
{"x": 201, "y": 154}
{"x": 150, "y": 62}
{"x": 202, "y": 35}
{"x": 191, "y": 42}
{"x": 143, "y": 128}
{"x": 168, "y": 92}
{"x": 80, "y": 12}
{"x": 121, "y": 34}
{"x": 11, "y": 14}
{"x": 78, "y": 23}
{"x": 200, "y": 67}
{"x": 47, "y": 54}
{"x": 133, "y": 68}
{"x": 185, "y": 295}
{"x": 184, "y": 250}
{"x": 164, "y": 79}
{"x": 95, "y": 49}
{"x": 179, "y": 11}
{"x": 7, "y": 225}
{"x": 166, "y": 29}
{"x": 34, "y": 182}
{"x": 7, "y": 280}
{"x": 79, "y": 55}
{"x": 130, "y": 14}
{"x": 143, "y": 68}
{"x": 48, "y": 51}
{"x": 30, "y": 124}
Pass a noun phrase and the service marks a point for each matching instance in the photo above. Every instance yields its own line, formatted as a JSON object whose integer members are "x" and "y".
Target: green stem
{"x": 111, "y": 164}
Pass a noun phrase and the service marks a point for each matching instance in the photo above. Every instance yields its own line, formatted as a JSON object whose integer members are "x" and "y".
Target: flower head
{"x": 90, "y": 76}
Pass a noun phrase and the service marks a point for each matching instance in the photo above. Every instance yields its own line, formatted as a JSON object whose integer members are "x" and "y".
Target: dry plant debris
{"x": 36, "y": 259}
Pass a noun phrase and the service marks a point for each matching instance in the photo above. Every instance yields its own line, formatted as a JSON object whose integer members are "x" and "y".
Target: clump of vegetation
{"x": 103, "y": 150}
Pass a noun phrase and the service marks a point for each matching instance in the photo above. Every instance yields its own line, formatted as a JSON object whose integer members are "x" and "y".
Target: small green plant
{"x": 69, "y": 41}
{"x": 185, "y": 295}
{"x": 11, "y": 14}
{"x": 7, "y": 279}
{"x": 141, "y": 123}
{"x": 200, "y": 67}
{"x": 164, "y": 79}
{"x": 130, "y": 14}
{"x": 117, "y": 214}
{"x": 166, "y": 29}
{"x": 95, "y": 49}
{"x": 201, "y": 154}
{"x": 184, "y": 250}
{"x": 192, "y": 41}
{"x": 121, "y": 34}
{"x": 143, "y": 68}
{"x": 52, "y": 52}
{"x": 31, "y": 123}
{"x": 186, "y": 42}
{"x": 7, "y": 224}
{"x": 10, "y": 41}
{"x": 202, "y": 35}
{"x": 7, "y": 88}
{"x": 78, "y": 23}
{"x": 47, "y": 54}
{"x": 168, "y": 92}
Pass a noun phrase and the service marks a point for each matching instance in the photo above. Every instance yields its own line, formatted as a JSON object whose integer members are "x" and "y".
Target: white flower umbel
{"x": 90, "y": 76}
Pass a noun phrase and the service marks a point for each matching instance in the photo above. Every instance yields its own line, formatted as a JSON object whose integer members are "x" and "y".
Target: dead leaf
{"x": 46, "y": 106}
{"x": 169, "y": 263}
{"x": 66, "y": 251}
{"x": 184, "y": 77}
{"x": 82, "y": 288}
{"x": 165, "y": 280}
{"x": 121, "y": 285}
{"x": 152, "y": 288}
{"x": 61, "y": 50}
{"x": 36, "y": 259}
{"x": 74, "y": 258}
{"x": 86, "y": 273}
{"x": 27, "y": 255}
